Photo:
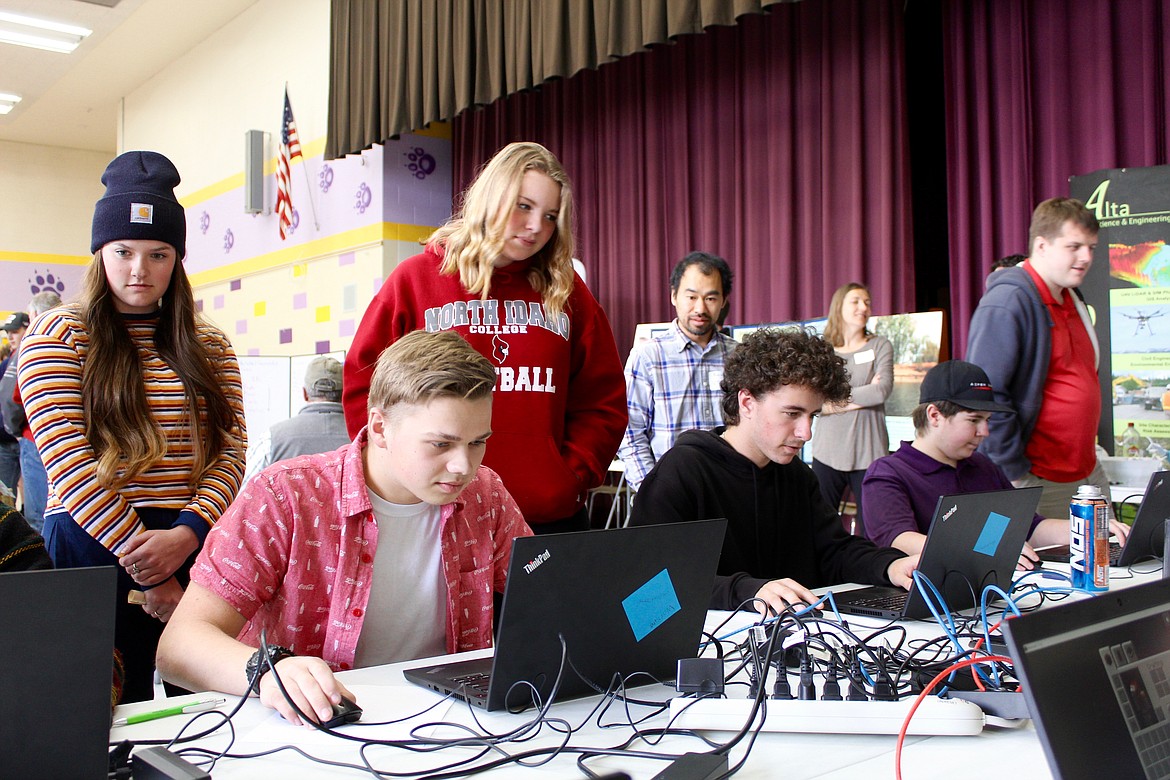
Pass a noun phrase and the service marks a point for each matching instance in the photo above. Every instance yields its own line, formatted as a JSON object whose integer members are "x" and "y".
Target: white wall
{"x": 49, "y": 194}
{"x": 48, "y": 197}
{"x": 196, "y": 110}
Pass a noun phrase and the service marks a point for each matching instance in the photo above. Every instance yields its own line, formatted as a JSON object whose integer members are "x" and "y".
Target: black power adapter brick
{"x": 695, "y": 766}
{"x": 699, "y": 675}
{"x": 157, "y": 763}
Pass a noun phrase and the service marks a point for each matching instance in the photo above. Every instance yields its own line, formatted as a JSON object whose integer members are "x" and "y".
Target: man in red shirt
{"x": 1033, "y": 335}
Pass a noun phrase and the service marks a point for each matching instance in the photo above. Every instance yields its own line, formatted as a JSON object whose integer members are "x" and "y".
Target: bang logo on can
{"x": 1088, "y": 523}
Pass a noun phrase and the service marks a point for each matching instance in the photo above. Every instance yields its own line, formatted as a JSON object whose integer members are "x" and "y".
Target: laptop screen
{"x": 598, "y": 603}
{"x": 58, "y": 652}
{"x": 1147, "y": 536}
{"x": 1096, "y": 674}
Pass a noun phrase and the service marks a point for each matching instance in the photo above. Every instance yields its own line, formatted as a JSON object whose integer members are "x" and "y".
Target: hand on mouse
{"x": 344, "y": 712}
{"x": 311, "y": 686}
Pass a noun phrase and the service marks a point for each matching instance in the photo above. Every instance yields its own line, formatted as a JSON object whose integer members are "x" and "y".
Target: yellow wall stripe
{"x": 42, "y": 258}
{"x": 330, "y": 245}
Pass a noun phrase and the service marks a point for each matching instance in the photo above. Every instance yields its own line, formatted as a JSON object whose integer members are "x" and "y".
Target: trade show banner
{"x": 1128, "y": 287}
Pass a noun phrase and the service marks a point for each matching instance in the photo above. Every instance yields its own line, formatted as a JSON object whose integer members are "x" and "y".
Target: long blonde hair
{"x": 835, "y": 327}
{"x": 474, "y": 237}
{"x": 118, "y": 420}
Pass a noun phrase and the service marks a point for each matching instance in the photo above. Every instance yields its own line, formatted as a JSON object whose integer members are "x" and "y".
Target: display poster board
{"x": 915, "y": 338}
{"x": 1128, "y": 288}
{"x": 645, "y": 331}
{"x": 273, "y": 388}
{"x": 266, "y": 391}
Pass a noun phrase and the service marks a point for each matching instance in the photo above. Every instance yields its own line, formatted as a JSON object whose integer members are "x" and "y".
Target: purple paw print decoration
{"x": 419, "y": 162}
{"x": 364, "y": 198}
{"x": 45, "y": 282}
{"x": 325, "y": 177}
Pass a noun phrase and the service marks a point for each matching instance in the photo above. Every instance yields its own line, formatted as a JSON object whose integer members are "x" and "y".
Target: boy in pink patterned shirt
{"x": 299, "y": 555}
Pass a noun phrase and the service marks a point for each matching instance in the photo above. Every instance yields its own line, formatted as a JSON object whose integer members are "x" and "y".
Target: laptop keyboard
{"x": 1062, "y": 555}
{"x": 894, "y": 601}
{"x": 1114, "y": 553}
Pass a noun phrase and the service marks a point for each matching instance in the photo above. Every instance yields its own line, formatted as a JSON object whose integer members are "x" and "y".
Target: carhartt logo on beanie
{"x": 140, "y": 203}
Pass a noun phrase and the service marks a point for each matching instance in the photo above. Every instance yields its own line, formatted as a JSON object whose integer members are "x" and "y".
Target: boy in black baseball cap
{"x": 950, "y": 421}
{"x": 16, "y": 322}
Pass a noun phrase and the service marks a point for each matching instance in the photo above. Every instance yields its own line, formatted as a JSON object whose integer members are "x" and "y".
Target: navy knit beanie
{"x": 140, "y": 203}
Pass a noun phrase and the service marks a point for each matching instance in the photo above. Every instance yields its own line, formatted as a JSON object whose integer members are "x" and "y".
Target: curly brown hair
{"x": 773, "y": 357}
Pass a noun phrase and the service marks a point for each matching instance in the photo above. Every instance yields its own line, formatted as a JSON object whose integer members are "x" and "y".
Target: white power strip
{"x": 934, "y": 716}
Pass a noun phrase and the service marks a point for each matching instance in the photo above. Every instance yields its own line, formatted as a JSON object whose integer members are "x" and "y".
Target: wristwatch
{"x": 258, "y": 664}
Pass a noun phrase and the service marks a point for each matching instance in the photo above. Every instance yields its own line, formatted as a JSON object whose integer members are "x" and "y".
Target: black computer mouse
{"x": 345, "y": 712}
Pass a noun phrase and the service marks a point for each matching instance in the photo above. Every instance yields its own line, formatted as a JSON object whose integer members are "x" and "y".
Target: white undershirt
{"x": 406, "y": 617}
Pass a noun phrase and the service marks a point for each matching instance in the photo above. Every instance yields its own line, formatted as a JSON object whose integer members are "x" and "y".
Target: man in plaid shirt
{"x": 672, "y": 381}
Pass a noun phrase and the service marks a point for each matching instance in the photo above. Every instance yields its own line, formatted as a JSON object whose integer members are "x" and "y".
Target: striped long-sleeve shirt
{"x": 52, "y": 357}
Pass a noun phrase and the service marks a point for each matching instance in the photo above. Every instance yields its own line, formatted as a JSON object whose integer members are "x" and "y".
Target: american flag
{"x": 290, "y": 149}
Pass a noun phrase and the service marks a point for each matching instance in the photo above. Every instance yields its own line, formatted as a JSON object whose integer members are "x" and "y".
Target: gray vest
{"x": 318, "y": 427}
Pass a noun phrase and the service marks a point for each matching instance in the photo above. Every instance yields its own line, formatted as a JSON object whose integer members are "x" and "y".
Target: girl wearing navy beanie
{"x": 136, "y": 406}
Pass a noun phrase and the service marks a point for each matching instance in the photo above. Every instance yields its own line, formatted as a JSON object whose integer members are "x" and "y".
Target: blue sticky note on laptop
{"x": 992, "y": 533}
{"x": 651, "y": 605}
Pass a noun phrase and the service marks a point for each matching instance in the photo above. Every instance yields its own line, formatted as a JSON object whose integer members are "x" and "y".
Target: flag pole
{"x": 308, "y": 182}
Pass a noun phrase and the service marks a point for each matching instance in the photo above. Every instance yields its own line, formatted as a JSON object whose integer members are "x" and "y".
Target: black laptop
{"x": 56, "y": 662}
{"x": 1096, "y": 675}
{"x": 1146, "y": 535}
{"x": 625, "y": 600}
{"x": 975, "y": 540}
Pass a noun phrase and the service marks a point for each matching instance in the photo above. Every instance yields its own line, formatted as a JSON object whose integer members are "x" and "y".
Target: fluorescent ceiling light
{"x": 8, "y": 102}
{"x": 40, "y": 33}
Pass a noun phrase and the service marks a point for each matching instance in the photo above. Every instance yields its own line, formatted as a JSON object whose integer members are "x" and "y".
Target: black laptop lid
{"x": 975, "y": 540}
{"x": 1149, "y": 531}
{"x": 56, "y": 661}
{"x": 1096, "y": 674}
{"x": 625, "y": 600}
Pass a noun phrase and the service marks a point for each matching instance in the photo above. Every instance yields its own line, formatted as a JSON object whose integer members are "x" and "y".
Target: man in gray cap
{"x": 318, "y": 427}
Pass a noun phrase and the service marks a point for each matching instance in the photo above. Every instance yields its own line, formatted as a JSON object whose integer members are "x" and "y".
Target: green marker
{"x": 182, "y": 709}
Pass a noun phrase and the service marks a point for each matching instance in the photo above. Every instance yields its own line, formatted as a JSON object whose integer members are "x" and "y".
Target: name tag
{"x": 714, "y": 377}
{"x": 864, "y": 356}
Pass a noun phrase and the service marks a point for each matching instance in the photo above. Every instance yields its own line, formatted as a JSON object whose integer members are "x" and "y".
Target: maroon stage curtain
{"x": 778, "y": 143}
{"x": 1039, "y": 91}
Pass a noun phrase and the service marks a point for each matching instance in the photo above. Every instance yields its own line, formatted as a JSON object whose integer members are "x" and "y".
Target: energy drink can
{"x": 1088, "y": 522}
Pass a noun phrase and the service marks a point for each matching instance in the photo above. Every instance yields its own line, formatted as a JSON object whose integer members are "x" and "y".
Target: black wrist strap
{"x": 258, "y": 664}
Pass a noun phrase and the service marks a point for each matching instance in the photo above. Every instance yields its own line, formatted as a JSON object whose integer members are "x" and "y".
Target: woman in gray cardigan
{"x": 850, "y": 436}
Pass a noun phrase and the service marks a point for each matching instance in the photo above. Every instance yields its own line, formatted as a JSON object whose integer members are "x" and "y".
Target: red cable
{"x": 976, "y": 646}
{"x": 926, "y": 692}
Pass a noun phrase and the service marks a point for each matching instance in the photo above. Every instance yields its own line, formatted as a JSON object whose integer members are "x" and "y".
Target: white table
{"x": 384, "y": 693}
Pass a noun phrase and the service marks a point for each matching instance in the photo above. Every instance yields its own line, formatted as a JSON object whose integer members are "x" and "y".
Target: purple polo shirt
{"x": 900, "y": 491}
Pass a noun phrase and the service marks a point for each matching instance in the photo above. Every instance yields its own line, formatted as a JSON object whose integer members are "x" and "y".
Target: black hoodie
{"x": 777, "y": 523}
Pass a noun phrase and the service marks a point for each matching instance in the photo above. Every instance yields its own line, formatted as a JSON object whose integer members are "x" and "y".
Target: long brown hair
{"x": 474, "y": 237}
{"x": 118, "y": 420}
{"x": 835, "y": 327}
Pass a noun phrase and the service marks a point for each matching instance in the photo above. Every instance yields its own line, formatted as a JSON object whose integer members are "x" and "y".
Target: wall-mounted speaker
{"x": 253, "y": 171}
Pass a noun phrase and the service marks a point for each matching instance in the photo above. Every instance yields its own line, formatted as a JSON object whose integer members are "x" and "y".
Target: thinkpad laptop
{"x": 1147, "y": 534}
{"x": 974, "y": 541}
{"x": 1096, "y": 675}
{"x": 56, "y": 662}
{"x": 625, "y": 600}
